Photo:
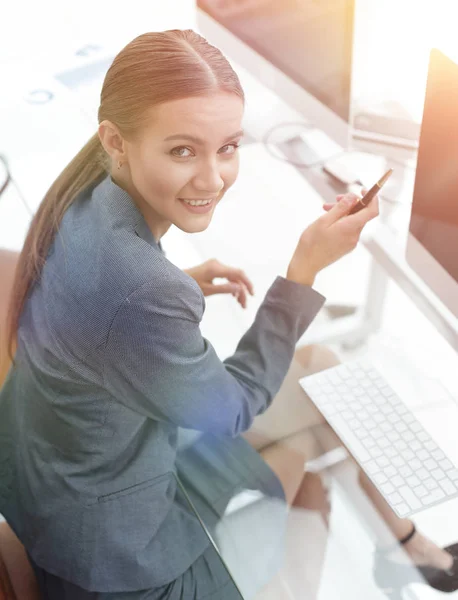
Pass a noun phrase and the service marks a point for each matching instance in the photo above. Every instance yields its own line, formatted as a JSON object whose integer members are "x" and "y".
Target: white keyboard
{"x": 398, "y": 455}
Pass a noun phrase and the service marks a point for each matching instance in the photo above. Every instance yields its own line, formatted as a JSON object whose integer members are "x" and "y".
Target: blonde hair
{"x": 152, "y": 69}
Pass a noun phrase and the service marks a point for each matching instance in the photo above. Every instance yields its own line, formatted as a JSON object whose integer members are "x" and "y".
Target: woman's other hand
{"x": 237, "y": 282}
{"x": 330, "y": 237}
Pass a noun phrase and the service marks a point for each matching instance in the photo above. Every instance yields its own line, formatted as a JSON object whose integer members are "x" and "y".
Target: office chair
{"x": 17, "y": 579}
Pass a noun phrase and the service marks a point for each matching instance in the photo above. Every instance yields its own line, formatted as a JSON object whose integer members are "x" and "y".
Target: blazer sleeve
{"x": 157, "y": 362}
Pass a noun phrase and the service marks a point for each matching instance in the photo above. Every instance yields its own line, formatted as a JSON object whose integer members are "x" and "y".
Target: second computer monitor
{"x": 432, "y": 248}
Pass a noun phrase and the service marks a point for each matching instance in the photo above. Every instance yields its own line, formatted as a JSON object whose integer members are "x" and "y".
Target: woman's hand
{"x": 329, "y": 238}
{"x": 238, "y": 282}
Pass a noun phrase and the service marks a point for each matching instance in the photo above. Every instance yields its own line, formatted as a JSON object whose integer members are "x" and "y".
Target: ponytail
{"x": 87, "y": 168}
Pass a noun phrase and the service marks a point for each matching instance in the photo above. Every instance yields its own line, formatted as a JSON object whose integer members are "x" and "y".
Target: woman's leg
{"x": 286, "y": 436}
{"x": 292, "y": 430}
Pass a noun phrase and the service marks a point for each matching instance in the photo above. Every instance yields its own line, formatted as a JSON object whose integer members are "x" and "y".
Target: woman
{"x": 110, "y": 362}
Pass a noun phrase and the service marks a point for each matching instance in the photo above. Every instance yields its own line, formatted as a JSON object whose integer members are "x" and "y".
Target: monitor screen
{"x": 433, "y": 240}
{"x": 311, "y": 41}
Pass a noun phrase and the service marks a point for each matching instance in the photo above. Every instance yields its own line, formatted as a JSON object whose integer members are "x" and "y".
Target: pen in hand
{"x": 366, "y": 199}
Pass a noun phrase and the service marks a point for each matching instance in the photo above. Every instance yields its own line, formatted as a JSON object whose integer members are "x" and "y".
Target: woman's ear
{"x": 112, "y": 141}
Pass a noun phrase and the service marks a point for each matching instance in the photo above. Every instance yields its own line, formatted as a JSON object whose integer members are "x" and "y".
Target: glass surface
{"x": 325, "y": 544}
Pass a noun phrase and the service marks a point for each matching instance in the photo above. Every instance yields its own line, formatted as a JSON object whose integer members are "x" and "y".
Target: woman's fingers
{"x": 328, "y": 205}
{"x": 236, "y": 276}
{"x": 233, "y": 274}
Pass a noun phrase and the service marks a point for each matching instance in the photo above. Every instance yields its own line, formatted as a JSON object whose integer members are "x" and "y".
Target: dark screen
{"x": 434, "y": 221}
{"x": 309, "y": 40}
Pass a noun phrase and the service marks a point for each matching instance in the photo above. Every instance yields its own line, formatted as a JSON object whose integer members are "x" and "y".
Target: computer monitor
{"x": 301, "y": 49}
{"x": 432, "y": 246}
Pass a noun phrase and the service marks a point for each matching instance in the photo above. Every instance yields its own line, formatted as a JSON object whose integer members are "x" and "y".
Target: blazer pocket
{"x": 133, "y": 489}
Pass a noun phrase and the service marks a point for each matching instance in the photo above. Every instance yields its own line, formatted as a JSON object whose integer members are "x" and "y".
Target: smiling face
{"x": 184, "y": 156}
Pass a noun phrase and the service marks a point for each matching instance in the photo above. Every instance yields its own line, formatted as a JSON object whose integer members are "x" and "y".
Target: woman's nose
{"x": 209, "y": 183}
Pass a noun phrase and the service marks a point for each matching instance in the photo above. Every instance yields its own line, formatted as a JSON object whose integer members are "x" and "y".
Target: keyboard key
{"x": 415, "y": 464}
{"x": 371, "y": 467}
{"x": 448, "y": 487}
{"x": 390, "y": 471}
{"x": 413, "y": 481}
{"x": 391, "y": 452}
{"x": 430, "y": 484}
{"x": 445, "y": 464}
{"x": 405, "y": 471}
{"x": 430, "y": 464}
{"x": 420, "y": 491}
{"x": 453, "y": 474}
{"x": 438, "y": 474}
{"x": 422, "y": 474}
{"x": 402, "y": 509}
{"x": 394, "y": 498}
{"x": 438, "y": 454}
{"x": 377, "y": 453}
{"x": 416, "y": 427}
{"x": 400, "y": 427}
{"x": 433, "y": 497}
{"x": 387, "y": 488}
{"x": 400, "y": 445}
{"x": 408, "y": 455}
{"x": 380, "y": 478}
{"x": 397, "y": 480}
{"x": 410, "y": 497}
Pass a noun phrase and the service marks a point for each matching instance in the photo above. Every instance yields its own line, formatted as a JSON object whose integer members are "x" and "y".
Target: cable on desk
{"x": 321, "y": 163}
{"x": 265, "y": 141}
{"x": 318, "y": 163}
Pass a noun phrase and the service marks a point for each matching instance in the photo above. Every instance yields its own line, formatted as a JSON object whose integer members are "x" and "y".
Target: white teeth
{"x": 197, "y": 202}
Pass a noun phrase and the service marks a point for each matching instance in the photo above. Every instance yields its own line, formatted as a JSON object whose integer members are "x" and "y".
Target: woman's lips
{"x": 200, "y": 209}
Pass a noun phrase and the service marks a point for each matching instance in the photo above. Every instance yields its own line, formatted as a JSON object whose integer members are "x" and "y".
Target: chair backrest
{"x": 17, "y": 579}
{"x": 8, "y": 263}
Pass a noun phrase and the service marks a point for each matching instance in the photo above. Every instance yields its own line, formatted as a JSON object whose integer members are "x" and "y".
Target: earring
{"x": 119, "y": 164}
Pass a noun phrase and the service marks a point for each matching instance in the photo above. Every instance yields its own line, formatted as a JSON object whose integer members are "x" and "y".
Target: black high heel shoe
{"x": 392, "y": 577}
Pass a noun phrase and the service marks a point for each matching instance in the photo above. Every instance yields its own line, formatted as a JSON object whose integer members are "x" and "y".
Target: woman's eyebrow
{"x": 184, "y": 136}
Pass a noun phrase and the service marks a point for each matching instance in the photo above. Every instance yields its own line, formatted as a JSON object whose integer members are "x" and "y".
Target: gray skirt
{"x": 242, "y": 505}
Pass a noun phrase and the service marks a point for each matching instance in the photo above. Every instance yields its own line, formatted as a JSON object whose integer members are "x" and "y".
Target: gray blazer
{"x": 110, "y": 363}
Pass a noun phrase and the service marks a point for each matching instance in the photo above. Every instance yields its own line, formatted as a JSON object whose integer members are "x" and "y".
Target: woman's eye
{"x": 234, "y": 146}
{"x": 179, "y": 151}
